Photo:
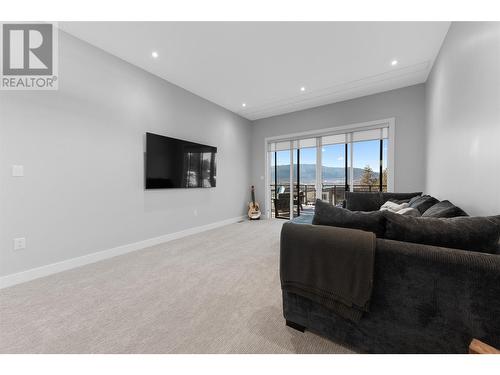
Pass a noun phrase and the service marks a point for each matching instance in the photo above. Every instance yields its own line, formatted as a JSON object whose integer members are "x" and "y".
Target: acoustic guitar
{"x": 253, "y": 208}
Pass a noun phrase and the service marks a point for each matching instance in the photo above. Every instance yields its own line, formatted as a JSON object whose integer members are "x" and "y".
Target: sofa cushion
{"x": 371, "y": 201}
{"x": 466, "y": 233}
{"x": 444, "y": 209}
{"x": 363, "y": 201}
{"x": 423, "y": 203}
{"x": 326, "y": 214}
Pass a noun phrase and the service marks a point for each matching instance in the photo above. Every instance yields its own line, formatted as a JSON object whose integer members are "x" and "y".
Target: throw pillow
{"x": 414, "y": 199}
{"x": 423, "y": 203}
{"x": 408, "y": 211}
{"x": 444, "y": 209}
{"x": 326, "y": 214}
{"x": 392, "y": 206}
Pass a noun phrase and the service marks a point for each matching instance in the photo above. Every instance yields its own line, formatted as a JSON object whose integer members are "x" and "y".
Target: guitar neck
{"x": 253, "y": 195}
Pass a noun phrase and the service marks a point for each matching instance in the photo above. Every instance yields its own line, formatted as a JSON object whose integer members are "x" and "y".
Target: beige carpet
{"x": 214, "y": 292}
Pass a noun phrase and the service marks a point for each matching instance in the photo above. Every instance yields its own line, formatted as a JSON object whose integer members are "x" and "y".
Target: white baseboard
{"x": 35, "y": 273}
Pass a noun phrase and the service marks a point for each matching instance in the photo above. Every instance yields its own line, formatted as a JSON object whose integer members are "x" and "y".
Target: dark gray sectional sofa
{"x": 425, "y": 299}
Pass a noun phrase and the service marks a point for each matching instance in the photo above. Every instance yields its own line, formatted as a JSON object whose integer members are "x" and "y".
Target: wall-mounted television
{"x": 175, "y": 163}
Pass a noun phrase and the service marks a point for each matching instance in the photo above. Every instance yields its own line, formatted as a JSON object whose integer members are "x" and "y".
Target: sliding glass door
{"x": 369, "y": 163}
{"x": 305, "y": 182}
{"x": 384, "y": 153}
{"x": 325, "y": 167}
{"x": 335, "y": 169}
{"x": 280, "y": 186}
{"x": 292, "y": 178}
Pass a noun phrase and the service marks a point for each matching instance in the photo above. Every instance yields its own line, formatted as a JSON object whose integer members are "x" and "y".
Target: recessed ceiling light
{"x": 243, "y": 104}
{"x": 302, "y": 88}
{"x": 154, "y": 54}
{"x": 394, "y": 62}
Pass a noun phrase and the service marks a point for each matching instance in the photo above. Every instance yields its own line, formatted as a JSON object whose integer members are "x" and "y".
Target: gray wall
{"x": 82, "y": 149}
{"x": 407, "y": 105}
{"x": 463, "y": 118}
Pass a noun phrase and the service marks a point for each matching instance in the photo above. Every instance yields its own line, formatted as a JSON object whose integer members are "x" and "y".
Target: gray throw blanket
{"x": 335, "y": 270}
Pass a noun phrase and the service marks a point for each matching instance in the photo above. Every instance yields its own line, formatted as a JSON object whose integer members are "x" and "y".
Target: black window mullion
{"x": 346, "y": 171}
{"x": 276, "y": 176}
{"x": 380, "y": 164}
{"x": 298, "y": 182}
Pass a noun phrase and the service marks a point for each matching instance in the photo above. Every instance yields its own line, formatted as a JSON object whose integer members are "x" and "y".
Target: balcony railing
{"x": 332, "y": 193}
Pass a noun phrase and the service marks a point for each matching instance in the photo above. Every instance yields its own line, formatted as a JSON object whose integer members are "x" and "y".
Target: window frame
{"x": 388, "y": 123}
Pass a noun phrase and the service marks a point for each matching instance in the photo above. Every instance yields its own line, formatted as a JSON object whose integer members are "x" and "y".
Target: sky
{"x": 333, "y": 155}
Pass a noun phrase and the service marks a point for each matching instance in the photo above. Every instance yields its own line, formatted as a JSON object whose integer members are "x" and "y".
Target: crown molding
{"x": 389, "y": 80}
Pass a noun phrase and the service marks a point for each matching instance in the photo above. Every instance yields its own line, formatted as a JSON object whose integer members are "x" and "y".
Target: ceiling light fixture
{"x": 302, "y": 89}
{"x": 394, "y": 62}
{"x": 154, "y": 54}
{"x": 244, "y": 104}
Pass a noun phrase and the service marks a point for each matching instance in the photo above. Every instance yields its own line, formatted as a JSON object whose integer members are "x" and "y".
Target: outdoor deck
{"x": 331, "y": 193}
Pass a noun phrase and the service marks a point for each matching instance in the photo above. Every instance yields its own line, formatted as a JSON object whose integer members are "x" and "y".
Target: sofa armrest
{"x": 458, "y": 288}
{"x": 425, "y": 299}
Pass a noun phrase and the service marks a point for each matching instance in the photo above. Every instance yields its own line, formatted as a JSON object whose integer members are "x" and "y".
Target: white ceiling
{"x": 264, "y": 64}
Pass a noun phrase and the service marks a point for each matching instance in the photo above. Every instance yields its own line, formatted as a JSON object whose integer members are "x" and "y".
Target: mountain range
{"x": 330, "y": 174}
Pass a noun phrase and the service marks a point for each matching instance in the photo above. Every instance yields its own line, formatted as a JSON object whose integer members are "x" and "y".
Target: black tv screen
{"x": 175, "y": 163}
